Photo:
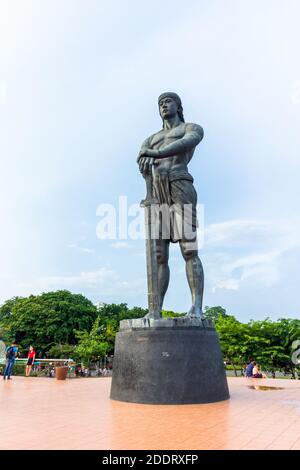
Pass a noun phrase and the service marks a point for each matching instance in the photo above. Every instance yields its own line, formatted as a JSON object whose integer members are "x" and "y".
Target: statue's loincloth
{"x": 177, "y": 198}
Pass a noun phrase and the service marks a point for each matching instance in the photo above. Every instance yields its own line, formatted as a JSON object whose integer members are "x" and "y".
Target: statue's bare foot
{"x": 151, "y": 316}
{"x": 195, "y": 312}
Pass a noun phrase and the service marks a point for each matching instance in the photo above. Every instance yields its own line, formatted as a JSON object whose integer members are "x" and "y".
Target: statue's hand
{"x": 145, "y": 165}
{"x": 145, "y": 152}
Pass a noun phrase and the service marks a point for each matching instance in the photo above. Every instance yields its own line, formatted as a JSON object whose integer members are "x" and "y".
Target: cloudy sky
{"x": 79, "y": 83}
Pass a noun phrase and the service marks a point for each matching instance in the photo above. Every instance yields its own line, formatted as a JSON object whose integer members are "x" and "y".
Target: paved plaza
{"x": 42, "y": 413}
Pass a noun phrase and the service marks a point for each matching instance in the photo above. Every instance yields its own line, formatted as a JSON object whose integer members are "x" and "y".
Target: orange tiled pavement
{"x": 41, "y": 413}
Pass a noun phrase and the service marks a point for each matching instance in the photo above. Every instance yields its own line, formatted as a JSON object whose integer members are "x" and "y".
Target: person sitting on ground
{"x": 249, "y": 368}
{"x": 256, "y": 373}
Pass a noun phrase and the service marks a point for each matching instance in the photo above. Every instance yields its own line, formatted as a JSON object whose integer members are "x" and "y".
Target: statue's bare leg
{"x": 163, "y": 271}
{"x": 162, "y": 250}
{"x": 195, "y": 277}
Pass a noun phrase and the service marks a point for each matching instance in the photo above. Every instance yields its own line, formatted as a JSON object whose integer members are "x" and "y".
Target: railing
{"x": 21, "y": 360}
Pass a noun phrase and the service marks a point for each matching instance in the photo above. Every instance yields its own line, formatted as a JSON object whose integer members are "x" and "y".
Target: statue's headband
{"x": 170, "y": 94}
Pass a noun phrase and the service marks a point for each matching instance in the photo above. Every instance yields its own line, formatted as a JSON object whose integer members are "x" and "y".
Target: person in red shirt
{"x": 30, "y": 361}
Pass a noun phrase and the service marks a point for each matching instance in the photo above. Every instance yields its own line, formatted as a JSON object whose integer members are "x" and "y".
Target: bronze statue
{"x": 163, "y": 161}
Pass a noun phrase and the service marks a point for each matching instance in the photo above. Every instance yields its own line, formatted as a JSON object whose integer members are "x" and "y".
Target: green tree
{"x": 63, "y": 351}
{"x": 214, "y": 313}
{"x": 279, "y": 336}
{"x": 92, "y": 345}
{"x": 232, "y": 333}
{"x": 110, "y": 316}
{"x": 47, "y": 319}
{"x": 171, "y": 314}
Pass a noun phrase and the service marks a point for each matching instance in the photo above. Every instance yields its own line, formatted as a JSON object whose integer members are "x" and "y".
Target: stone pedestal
{"x": 168, "y": 361}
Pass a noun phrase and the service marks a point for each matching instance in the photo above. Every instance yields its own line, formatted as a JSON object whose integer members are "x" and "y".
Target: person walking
{"x": 30, "y": 360}
{"x": 11, "y": 354}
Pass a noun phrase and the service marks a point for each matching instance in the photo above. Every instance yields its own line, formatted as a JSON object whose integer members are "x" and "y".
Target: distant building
{"x": 99, "y": 305}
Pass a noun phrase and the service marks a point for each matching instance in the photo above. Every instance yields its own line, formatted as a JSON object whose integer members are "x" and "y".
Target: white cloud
{"x": 234, "y": 232}
{"x": 238, "y": 251}
{"x": 250, "y": 173}
{"x": 82, "y": 249}
{"x": 87, "y": 250}
{"x": 72, "y": 245}
{"x": 118, "y": 245}
{"x": 230, "y": 284}
{"x": 84, "y": 280}
{"x": 103, "y": 282}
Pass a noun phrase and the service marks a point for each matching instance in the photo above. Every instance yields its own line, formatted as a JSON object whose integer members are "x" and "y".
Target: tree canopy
{"x": 268, "y": 342}
{"x": 47, "y": 319}
{"x": 61, "y": 324}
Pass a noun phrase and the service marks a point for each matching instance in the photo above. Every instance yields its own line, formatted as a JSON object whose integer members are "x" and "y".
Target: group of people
{"x": 252, "y": 370}
{"x": 11, "y": 355}
{"x": 99, "y": 371}
{"x": 104, "y": 372}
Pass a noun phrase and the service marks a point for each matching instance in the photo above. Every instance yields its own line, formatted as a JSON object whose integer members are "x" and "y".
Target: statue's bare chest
{"x": 164, "y": 137}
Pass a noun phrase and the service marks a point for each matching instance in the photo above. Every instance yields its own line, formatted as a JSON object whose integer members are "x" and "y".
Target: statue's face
{"x": 167, "y": 108}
